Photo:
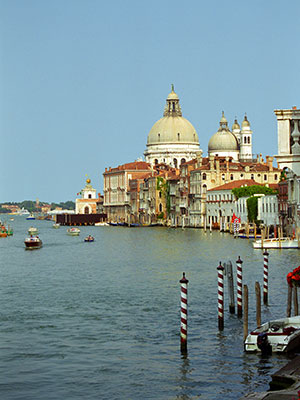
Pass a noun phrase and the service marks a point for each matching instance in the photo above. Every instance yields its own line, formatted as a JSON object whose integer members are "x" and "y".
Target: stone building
{"x": 89, "y": 203}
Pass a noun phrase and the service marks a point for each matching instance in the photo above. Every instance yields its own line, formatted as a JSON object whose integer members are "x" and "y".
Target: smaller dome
{"x": 223, "y": 141}
{"x": 236, "y": 125}
{"x": 245, "y": 123}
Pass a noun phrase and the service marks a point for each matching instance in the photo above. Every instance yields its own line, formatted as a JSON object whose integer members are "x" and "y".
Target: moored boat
{"x": 101, "y": 224}
{"x": 280, "y": 335}
{"x": 73, "y": 231}
{"x": 31, "y": 216}
{"x": 55, "y": 225}
{"x": 277, "y": 243}
{"x": 33, "y": 242}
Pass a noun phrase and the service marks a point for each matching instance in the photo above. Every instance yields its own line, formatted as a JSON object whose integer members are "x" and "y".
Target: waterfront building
{"x": 267, "y": 207}
{"x": 236, "y": 144}
{"x": 172, "y": 140}
{"x": 117, "y": 190}
{"x": 89, "y": 202}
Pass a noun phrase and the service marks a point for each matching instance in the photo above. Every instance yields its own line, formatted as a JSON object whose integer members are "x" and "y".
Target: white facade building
{"x": 268, "y": 210}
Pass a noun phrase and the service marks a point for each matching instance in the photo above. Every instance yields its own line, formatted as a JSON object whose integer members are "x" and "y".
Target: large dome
{"x": 172, "y": 130}
{"x": 223, "y": 140}
{"x": 173, "y": 127}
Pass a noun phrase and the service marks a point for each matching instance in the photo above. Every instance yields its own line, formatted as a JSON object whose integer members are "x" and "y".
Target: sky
{"x": 83, "y": 81}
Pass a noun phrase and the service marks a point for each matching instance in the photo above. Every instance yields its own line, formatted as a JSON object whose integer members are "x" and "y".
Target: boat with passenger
{"x": 89, "y": 238}
{"x": 278, "y": 336}
{"x": 33, "y": 230}
{"x": 33, "y": 242}
{"x": 30, "y": 216}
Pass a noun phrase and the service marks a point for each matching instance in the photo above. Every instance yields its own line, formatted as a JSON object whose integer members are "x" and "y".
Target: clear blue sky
{"x": 82, "y": 82}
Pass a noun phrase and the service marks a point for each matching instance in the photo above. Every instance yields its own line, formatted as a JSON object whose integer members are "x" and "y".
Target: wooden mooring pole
{"x": 245, "y": 312}
{"x": 258, "y": 304}
{"x": 289, "y": 301}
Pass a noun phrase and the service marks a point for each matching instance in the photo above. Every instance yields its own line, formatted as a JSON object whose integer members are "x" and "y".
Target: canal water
{"x": 101, "y": 320}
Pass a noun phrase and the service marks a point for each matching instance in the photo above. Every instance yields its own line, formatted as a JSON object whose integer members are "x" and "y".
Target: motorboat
{"x": 101, "y": 224}
{"x": 73, "y": 231}
{"x": 113, "y": 223}
{"x": 277, "y": 243}
{"x": 89, "y": 238}
{"x": 33, "y": 242}
{"x": 55, "y": 225}
{"x": 33, "y": 231}
{"x": 280, "y": 335}
{"x": 30, "y": 216}
{"x": 23, "y": 211}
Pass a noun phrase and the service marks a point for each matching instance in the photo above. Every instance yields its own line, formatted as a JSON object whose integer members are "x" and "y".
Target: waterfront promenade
{"x": 102, "y": 320}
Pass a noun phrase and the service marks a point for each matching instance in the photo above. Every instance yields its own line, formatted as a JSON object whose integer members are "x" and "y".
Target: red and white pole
{"x": 183, "y": 314}
{"x": 239, "y": 281}
{"x": 266, "y": 273}
{"x": 220, "y": 269}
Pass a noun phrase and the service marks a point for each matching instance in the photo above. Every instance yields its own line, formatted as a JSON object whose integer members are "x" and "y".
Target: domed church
{"x": 172, "y": 139}
{"x": 236, "y": 143}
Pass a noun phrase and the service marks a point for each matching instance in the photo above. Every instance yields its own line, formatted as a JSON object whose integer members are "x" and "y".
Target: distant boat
{"x": 33, "y": 231}
{"x": 89, "y": 239}
{"x": 23, "y": 211}
{"x": 31, "y": 216}
{"x": 73, "y": 231}
{"x": 276, "y": 243}
{"x": 101, "y": 224}
{"x": 33, "y": 242}
{"x": 56, "y": 225}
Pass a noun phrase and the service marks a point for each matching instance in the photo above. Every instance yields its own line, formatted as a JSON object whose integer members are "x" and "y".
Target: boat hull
{"x": 283, "y": 335}
{"x": 276, "y": 243}
{"x": 31, "y": 244}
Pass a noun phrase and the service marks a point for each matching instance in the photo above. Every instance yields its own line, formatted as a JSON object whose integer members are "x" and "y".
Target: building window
{"x": 245, "y": 139}
{"x": 204, "y": 176}
{"x": 248, "y": 139}
{"x": 204, "y": 187}
{"x": 265, "y": 177}
{"x": 158, "y": 137}
{"x": 90, "y": 196}
{"x": 178, "y": 136}
{"x": 182, "y": 160}
{"x": 267, "y": 207}
{"x": 86, "y": 210}
{"x": 275, "y": 177}
{"x": 242, "y": 175}
{"x": 252, "y": 176}
{"x": 223, "y": 177}
{"x": 175, "y": 162}
{"x": 160, "y": 207}
{"x": 156, "y": 161}
{"x": 231, "y": 177}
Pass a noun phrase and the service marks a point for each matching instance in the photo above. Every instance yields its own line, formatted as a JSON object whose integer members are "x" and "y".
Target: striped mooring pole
{"x": 239, "y": 281}
{"x": 266, "y": 273}
{"x": 183, "y": 314}
{"x": 220, "y": 269}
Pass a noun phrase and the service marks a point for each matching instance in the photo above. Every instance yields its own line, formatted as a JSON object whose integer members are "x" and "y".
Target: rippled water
{"x": 101, "y": 320}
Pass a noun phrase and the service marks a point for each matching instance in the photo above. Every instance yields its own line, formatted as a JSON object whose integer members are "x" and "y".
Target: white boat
{"x": 23, "y": 211}
{"x": 56, "y": 225}
{"x": 276, "y": 243}
{"x": 280, "y": 335}
{"x": 101, "y": 224}
{"x": 33, "y": 231}
{"x": 73, "y": 231}
{"x": 30, "y": 216}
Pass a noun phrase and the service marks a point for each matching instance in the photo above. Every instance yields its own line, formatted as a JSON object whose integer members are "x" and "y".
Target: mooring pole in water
{"x": 295, "y": 300}
{"x": 289, "y": 301}
{"x": 239, "y": 281}
{"x": 228, "y": 272}
{"x": 183, "y": 314}
{"x": 245, "y": 312}
{"x": 220, "y": 270}
{"x": 258, "y": 304}
{"x": 266, "y": 266}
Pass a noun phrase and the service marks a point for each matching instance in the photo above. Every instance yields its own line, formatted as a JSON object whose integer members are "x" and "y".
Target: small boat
{"x": 277, "y": 243}
{"x": 280, "y": 335}
{"x": 3, "y": 234}
{"x": 73, "y": 231}
{"x": 33, "y": 242}
{"x": 101, "y": 224}
{"x": 23, "y": 211}
{"x": 31, "y": 216}
{"x": 113, "y": 223}
{"x": 89, "y": 239}
{"x": 55, "y": 225}
{"x": 33, "y": 231}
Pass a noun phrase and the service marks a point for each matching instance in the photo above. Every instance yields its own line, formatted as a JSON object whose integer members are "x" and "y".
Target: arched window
{"x": 204, "y": 187}
{"x": 86, "y": 210}
{"x": 223, "y": 177}
{"x": 160, "y": 207}
{"x": 252, "y": 176}
{"x": 231, "y": 177}
{"x": 182, "y": 161}
{"x": 275, "y": 177}
{"x": 204, "y": 176}
{"x": 158, "y": 137}
{"x": 90, "y": 196}
{"x": 175, "y": 162}
{"x": 178, "y": 136}
{"x": 249, "y": 139}
{"x": 156, "y": 161}
{"x": 245, "y": 139}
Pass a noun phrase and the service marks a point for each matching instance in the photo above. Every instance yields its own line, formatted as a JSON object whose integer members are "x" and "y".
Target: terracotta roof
{"x": 133, "y": 166}
{"x": 236, "y": 184}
